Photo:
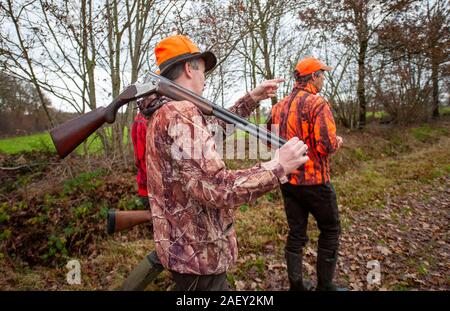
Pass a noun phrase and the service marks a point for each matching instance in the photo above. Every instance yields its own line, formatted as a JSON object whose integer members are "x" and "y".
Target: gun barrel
{"x": 176, "y": 92}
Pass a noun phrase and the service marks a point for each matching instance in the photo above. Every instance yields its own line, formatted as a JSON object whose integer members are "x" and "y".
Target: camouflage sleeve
{"x": 325, "y": 129}
{"x": 203, "y": 171}
{"x": 243, "y": 108}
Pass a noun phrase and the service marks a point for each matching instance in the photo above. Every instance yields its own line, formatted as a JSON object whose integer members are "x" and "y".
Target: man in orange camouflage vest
{"x": 192, "y": 194}
{"x": 307, "y": 115}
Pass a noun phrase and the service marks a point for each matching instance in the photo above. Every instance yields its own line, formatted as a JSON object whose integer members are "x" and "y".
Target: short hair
{"x": 176, "y": 70}
{"x": 307, "y": 78}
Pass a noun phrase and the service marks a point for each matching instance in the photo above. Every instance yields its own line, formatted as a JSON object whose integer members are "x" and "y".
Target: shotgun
{"x": 69, "y": 135}
{"x": 124, "y": 220}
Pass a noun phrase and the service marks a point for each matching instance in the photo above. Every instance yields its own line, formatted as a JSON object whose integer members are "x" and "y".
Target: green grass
{"x": 444, "y": 111}
{"x": 27, "y": 143}
{"x": 426, "y": 133}
{"x": 369, "y": 185}
{"x": 43, "y": 142}
{"x": 376, "y": 114}
{"x": 262, "y": 119}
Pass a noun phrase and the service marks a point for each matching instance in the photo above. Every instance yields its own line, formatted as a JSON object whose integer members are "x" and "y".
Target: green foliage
{"x": 103, "y": 212}
{"x": 243, "y": 208}
{"x": 428, "y": 134}
{"x": 231, "y": 280}
{"x": 40, "y": 219}
{"x": 41, "y": 142}
{"x": 4, "y": 212}
{"x": 130, "y": 203}
{"x": 422, "y": 270}
{"x": 447, "y": 168}
{"x": 69, "y": 231}
{"x": 5, "y": 234}
{"x": 272, "y": 196}
{"x": 84, "y": 182}
{"x": 259, "y": 263}
{"x": 359, "y": 154}
{"x": 423, "y": 133}
{"x": 3, "y": 217}
{"x": 377, "y": 115}
{"x": 83, "y": 210}
{"x": 396, "y": 145}
{"x": 444, "y": 111}
{"x": 56, "y": 247}
{"x": 19, "y": 206}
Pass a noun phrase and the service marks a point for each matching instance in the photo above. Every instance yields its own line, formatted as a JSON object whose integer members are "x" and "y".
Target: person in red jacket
{"x": 150, "y": 267}
{"x": 138, "y": 134}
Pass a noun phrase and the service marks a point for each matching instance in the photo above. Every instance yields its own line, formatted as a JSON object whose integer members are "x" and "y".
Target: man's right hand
{"x": 339, "y": 141}
{"x": 291, "y": 155}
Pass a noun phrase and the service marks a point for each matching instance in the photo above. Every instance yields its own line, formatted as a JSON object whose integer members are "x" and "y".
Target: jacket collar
{"x": 307, "y": 87}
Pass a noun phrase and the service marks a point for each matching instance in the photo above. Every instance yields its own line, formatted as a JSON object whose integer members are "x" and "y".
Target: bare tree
{"x": 70, "y": 49}
{"x": 436, "y": 24}
{"x": 132, "y": 27}
{"x": 353, "y": 23}
{"x": 14, "y": 14}
{"x": 414, "y": 50}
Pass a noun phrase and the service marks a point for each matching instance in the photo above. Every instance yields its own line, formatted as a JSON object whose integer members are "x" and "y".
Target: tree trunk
{"x": 435, "y": 81}
{"x": 361, "y": 84}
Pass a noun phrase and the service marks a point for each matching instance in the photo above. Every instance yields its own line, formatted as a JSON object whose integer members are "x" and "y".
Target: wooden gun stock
{"x": 123, "y": 220}
{"x": 69, "y": 135}
{"x": 66, "y": 137}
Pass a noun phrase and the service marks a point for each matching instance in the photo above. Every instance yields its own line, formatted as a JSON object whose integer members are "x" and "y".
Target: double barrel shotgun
{"x": 69, "y": 135}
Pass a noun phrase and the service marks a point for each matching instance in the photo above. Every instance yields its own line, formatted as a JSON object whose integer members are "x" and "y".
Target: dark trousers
{"x": 320, "y": 201}
{"x": 190, "y": 282}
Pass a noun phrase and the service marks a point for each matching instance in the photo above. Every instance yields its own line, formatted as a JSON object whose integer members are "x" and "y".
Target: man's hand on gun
{"x": 291, "y": 155}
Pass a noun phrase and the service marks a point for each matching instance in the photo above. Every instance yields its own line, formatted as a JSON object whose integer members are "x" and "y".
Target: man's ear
{"x": 188, "y": 70}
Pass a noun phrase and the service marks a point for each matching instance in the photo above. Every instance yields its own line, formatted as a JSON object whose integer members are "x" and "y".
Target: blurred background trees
{"x": 59, "y": 58}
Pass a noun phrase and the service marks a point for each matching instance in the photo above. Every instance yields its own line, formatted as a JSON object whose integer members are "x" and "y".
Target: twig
{"x": 13, "y": 168}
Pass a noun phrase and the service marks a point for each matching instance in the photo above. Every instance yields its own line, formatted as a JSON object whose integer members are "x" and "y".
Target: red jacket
{"x": 138, "y": 134}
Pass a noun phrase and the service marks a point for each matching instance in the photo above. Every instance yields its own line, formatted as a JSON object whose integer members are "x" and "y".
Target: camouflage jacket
{"x": 192, "y": 194}
{"x": 308, "y": 116}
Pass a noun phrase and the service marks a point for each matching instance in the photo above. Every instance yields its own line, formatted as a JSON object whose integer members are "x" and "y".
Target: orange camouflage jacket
{"x": 308, "y": 116}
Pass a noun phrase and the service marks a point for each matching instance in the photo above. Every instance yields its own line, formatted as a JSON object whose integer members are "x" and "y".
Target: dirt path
{"x": 409, "y": 239}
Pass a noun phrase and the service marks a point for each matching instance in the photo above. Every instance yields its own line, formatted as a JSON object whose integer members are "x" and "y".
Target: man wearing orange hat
{"x": 306, "y": 115}
{"x": 192, "y": 194}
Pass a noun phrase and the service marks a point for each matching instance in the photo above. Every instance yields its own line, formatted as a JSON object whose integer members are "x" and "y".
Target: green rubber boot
{"x": 145, "y": 273}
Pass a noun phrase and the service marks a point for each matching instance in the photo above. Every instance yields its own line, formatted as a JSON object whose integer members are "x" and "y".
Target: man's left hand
{"x": 267, "y": 89}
